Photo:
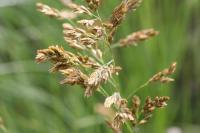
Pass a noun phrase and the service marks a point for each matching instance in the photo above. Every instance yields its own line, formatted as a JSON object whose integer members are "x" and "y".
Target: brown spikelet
{"x": 121, "y": 10}
{"x": 160, "y": 102}
{"x": 66, "y": 2}
{"x": 135, "y": 104}
{"x": 93, "y": 4}
{"x": 149, "y": 105}
{"x": 47, "y": 10}
{"x": 56, "y": 54}
{"x": 80, "y": 38}
{"x": 99, "y": 76}
{"x": 115, "y": 129}
{"x": 157, "y": 102}
{"x": 116, "y": 100}
{"x": 59, "y": 66}
{"x": 133, "y": 4}
{"x": 121, "y": 118}
{"x": 79, "y": 9}
{"x": 87, "y": 22}
{"x": 118, "y": 14}
{"x": 88, "y": 62}
{"x": 73, "y": 76}
{"x": 138, "y": 36}
{"x": 163, "y": 75}
{"x": 53, "y": 12}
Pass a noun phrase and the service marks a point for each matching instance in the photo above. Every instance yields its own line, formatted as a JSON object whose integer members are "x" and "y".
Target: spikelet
{"x": 88, "y": 62}
{"x": 47, "y": 10}
{"x": 78, "y": 38}
{"x": 73, "y": 76}
{"x": 87, "y": 22}
{"x": 53, "y": 12}
{"x": 157, "y": 102}
{"x": 122, "y": 117}
{"x": 138, "y": 36}
{"x": 93, "y": 4}
{"x": 99, "y": 76}
{"x": 160, "y": 102}
{"x": 162, "y": 76}
{"x": 56, "y": 54}
{"x": 133, "y": 4}
{"x": 121, "y": 10}
{"x": 116, "y": 100}
{"x": 98, "y": 31}
{"x": 66, "y": 2}
{"x": 135, "y": 104}
{"x": 79, "y": 9}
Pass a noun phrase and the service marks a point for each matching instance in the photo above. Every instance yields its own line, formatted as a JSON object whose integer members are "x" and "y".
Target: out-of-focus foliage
{"x": 31, "y": 100}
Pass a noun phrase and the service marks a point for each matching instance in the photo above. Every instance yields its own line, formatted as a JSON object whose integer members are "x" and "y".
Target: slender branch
{"x": 137, "y": 89}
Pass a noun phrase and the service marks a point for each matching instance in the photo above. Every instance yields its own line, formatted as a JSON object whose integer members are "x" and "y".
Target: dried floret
{"x": 93, "y": 4}
{"x": 163, "y": 75}
{"x": 73, "y": 76}
{"x": 98, "y": 77}
{"x": 53, "y": 12}
{"x": 138, "y": 36}
{"x": 121, "y": 10}
{"x": 116, "y": 100}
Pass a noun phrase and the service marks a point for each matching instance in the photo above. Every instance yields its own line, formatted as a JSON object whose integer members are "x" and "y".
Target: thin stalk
{"x": 137, "y": 89}
{"x": 129, "y": 127}
{"x": 115, "y": 45}
{"x": 103, "y": 92}
{"x": 3, "y": 129}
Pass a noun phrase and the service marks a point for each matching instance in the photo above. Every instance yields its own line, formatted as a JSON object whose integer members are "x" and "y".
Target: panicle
{"x": 81, "y": 39}
{"x": 88, "y": 62}
{"x": 87, "y": 35}
{"x": 133, "y": 4}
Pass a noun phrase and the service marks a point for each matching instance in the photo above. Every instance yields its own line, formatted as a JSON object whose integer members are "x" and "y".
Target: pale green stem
{"x": 113, "y": 84}
{"x": 103, "y": 92}
{"x": 115, "y": 45}
{"x": 129, "y": 127}
{"x": 137, "y": 89}
{"x": 3, "y": 129}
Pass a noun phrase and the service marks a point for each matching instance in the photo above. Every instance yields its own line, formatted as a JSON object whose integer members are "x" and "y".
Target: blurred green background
{"x": 32, "y": 101}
